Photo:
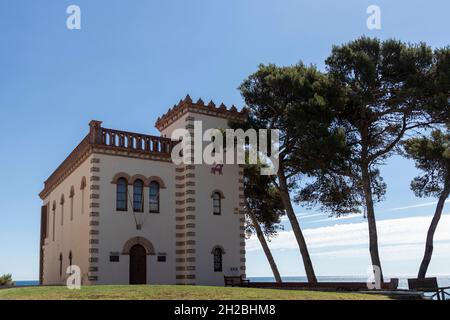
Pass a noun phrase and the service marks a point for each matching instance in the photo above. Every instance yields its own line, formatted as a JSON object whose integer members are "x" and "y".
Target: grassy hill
{"x": 151, "y": 292}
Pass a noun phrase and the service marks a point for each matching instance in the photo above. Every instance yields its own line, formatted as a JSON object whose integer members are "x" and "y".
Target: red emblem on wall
{"x": 217, "y": 168}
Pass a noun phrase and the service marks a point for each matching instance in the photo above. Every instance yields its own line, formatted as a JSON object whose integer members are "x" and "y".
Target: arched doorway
{"x": 138, "y": 264}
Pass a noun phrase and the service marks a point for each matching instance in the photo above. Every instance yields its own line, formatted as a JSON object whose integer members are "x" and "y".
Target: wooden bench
{"x": 429, "y": 285}
{"x": 236, "y": 281}
{"x": 325, "y": 286}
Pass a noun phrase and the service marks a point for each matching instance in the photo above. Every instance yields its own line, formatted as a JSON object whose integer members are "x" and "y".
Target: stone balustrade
{"x": 109, "y": 139}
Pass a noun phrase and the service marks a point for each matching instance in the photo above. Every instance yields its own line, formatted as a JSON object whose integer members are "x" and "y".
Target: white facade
{"x": 180, "y": 244}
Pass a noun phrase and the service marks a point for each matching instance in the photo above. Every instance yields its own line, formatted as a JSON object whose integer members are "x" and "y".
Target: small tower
{"x": 202, "y": 234}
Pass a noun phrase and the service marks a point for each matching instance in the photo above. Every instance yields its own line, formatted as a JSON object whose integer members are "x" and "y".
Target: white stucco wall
{"x": 214, "y": 230}
{"x": 72, "y": 235}
{"x": 117, "y": 227}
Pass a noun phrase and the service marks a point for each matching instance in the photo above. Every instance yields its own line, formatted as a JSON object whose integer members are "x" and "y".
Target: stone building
{"x": 121, "y": 210}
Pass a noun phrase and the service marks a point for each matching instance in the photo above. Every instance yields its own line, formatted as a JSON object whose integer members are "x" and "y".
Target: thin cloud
{"x": 303, "y": 216}
{"x": 420, "y": 205}
{"x": 346, "y": 217}
{"x": 399, "y": 239}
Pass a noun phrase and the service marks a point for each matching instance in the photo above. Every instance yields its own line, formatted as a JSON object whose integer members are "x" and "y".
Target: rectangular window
{"x": 153, "y": 198}
{"x": 161, "y": 258}
{"x": 217, "y": 204}
{"x": 217, "y": 260}
{"x": 121, "y": 195}
{"x": 138, "y": 196}
{"x": 114, "y": 258}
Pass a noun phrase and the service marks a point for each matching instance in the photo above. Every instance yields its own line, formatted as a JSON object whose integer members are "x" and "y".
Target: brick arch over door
{"x": 150, "y": 250}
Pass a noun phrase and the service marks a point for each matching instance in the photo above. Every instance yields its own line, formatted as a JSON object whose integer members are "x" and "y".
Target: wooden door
{"x": 138, "y": 265}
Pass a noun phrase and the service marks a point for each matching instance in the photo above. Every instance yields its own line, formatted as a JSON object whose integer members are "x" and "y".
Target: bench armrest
{"x": 245, "y": 283}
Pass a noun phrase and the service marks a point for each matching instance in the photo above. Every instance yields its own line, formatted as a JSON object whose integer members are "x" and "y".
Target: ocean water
{"x": 443, "y": 281}
{"x": 27, "y": 283}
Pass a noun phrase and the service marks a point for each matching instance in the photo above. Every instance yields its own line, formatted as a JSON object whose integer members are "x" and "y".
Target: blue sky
{"x": 132, "y": 60}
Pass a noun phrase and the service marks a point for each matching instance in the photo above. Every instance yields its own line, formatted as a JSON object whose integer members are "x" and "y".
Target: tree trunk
{"x": 285, "y": 197}
{"x": 373, "y": 235}
{"x": 265, "y": 247}
{"x": 434, "y": 222}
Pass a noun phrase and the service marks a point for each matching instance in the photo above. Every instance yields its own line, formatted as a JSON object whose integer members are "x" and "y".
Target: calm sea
{"x": 443, "y": 281}
{"x": 27, "y": 283}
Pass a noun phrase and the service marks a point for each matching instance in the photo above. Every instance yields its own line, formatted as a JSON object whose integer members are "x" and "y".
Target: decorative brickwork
{"x": 185, "y": 242}
{"x": 94, "y": 220}
{"x": 138, "y": 240}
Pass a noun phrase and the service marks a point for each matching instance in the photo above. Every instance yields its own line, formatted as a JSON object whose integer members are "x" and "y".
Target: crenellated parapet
{"x": 187, "y": 105}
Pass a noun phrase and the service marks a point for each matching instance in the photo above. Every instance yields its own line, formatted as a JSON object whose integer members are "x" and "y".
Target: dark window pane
{"x": 121, "y": 194}
{"x": 138, "y": 196}
{"x": 154, "y": 197}
{"x": 217, "y": 203}
{"x": 217, "y": 259}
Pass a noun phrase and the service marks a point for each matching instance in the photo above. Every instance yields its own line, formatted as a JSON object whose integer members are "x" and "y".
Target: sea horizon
{"x": 443, "y": 280}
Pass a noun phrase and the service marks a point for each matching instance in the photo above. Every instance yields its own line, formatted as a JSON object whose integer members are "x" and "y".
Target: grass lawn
{"x": 151, "y": 292}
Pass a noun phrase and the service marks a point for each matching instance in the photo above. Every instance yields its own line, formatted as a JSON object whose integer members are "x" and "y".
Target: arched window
{"x": 138, "y": 196}
{"x": 217, "y": 259}
{"x": 121, "y": 194}
{"x": 217, "y": 205}
{"x": 154, "y": 197}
